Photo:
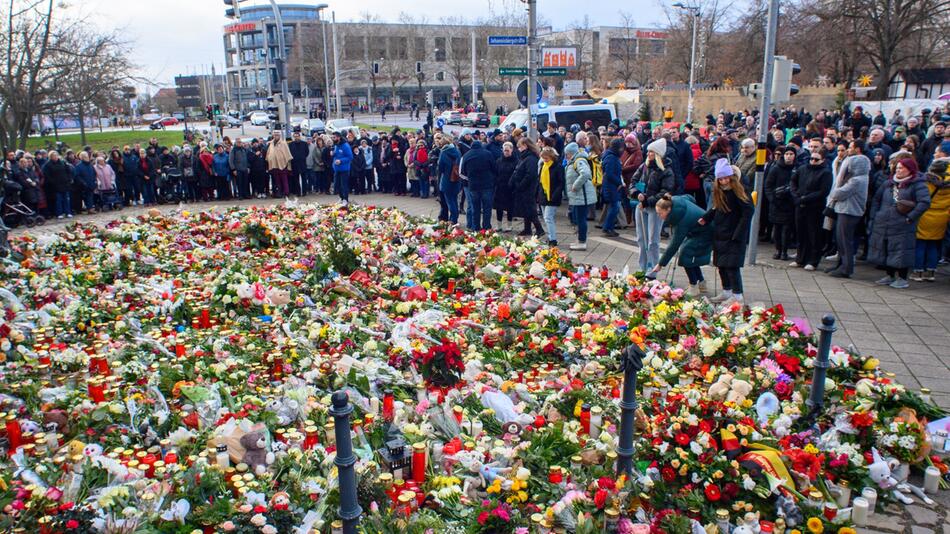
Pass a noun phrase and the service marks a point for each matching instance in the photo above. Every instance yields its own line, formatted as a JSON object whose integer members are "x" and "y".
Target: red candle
{"x": 205, "y": 318}
{"x": 45, "y": 359}
{"x": 389, "y": 410}
{"x": 451, "y": 288}
{"x": 171, "y": 457}
{"x": 554, "y": 475}
{"x": 94, "y": 364}
{"x": 419, "y": 463}
{"x": 97, "y": 391}
{"x": 102, "y": 366}
{"x": 277, "y": 371}
{"x": 179, "y": 349}
{"x": 148, "y": 462}
{"x": 585, "y": 418}
{"x": 14, "y": 435}
{"x": 312, "y": 439}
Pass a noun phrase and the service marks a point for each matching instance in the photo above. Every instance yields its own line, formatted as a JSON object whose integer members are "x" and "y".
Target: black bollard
{"x": 345, "y": 460}
{"x": 816, "y": 402}
{"x": 631, "y": 361}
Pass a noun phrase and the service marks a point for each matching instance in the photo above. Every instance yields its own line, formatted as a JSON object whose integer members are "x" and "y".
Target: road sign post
{"x": 512, "y": 71}
{"x": 507, "y": 40}
{"x": 552, "y": 71}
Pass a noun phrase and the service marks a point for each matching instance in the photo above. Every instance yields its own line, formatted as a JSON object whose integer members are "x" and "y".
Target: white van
{"x": 598, "y": 114}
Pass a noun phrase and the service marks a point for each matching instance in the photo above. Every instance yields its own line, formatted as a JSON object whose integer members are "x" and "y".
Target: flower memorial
{"x": 173, "y": 374}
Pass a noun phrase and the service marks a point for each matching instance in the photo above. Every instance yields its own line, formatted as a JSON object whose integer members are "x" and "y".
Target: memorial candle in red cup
{"x": 14, "y": 434}
{"x": 419, "y": 463}
{"x": 554, "y": 475}
{"x": 179, "y": 348}
{"x": 585, "y": 418}
{"x": 389, "y": 410}
{"x": 102, "y": 366}
{"x": 451, "y": 288}
{"x": 205, "y": 318}
{"x": 97, "y": 390}
{"x": 312, "y": 438}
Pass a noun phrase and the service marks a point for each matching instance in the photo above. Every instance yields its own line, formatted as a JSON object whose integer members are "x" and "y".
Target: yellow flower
{"x": 846, "y": 530}
{"x": 815, "y": 526}
{"x": 811, "y": 449}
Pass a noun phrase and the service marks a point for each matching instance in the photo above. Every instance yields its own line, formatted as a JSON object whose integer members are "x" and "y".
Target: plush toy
{"x": 256, "y": 454}
{"x": 280, "y": 501}
{"x": 720, "y": 388}
{"x": 285, "y": 409}
{"x": 278, "y": 296}
{"x": 738, "y": 391}
{"x": 881, "y": 473}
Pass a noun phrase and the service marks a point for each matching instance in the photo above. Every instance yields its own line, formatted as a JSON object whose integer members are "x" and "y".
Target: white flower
{"x": 748, "y": 483}
{"x": 907, "y": 442}
{"x": 258, "y": 520}
{"x": 268, "y": 529}
{"x": 696, "y": 448}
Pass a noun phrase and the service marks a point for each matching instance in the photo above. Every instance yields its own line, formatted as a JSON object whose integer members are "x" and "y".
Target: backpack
{"x": 596, "y": 169}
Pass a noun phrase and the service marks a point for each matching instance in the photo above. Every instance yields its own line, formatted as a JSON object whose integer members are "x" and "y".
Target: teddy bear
{"x": 256, "y": 454}
{"x": 720, "y": 388}
{"x": 739, "y": 389}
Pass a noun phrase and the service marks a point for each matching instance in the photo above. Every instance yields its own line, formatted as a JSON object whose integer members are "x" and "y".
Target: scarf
{"x": 901, "y": 181}
{"x": 546, "y": 179}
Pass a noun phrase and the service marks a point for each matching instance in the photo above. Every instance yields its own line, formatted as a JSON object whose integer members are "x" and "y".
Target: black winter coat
{"x": 524, "y": 185}
{"x": 59, "y": 176}
{"x": 557, "y": 184}
{"x": 730, "y": 231}
{"x": 779, "y": 192}
{"x": 503, "y": 195}
{"x": 657, "y": 181}
{"x": 810, "y": 187}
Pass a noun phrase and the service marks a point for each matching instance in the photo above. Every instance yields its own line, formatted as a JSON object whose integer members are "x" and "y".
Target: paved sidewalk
{"x": 908, "y": 330}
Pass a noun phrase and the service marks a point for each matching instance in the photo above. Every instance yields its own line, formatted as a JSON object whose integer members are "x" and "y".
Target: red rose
{"x": 682, "y": 439}
{"x": 730, "y": 490}
{"x": 600, "y": 498}
{"x": 669, "y": 475}
{"x": 783, "y": 389}
{"x": 482, "y": 517}
{"x": 72, "y": 524}
{"x": 713, "y": 493}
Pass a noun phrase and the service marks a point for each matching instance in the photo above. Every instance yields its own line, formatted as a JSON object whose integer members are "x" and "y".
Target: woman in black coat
{"x": 524, "y": 187}
{"x": 59, "y": 176}
{"x": 258, "y": 167}
{"x": 730, "y": 214}
{"x": 506, "y": 167}
{"x": 781, "y": 206}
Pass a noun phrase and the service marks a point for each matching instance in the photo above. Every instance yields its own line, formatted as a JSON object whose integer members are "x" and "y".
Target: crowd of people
{"x": 839, "y": 186}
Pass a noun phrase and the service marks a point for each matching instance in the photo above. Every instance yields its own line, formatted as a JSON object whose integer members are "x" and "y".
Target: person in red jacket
{"x": 693, "y": 184}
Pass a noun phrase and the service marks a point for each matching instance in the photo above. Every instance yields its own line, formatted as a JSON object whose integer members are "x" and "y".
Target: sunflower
{"x": 815, "y": 526}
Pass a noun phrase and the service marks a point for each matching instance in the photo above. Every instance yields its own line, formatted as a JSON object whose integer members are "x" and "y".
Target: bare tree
{"x": 622, "y": 51}
{"x": 582, "y": 38}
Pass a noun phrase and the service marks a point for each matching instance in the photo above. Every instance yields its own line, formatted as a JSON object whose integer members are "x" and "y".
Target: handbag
{"x": 905, "y": 206}
{"x": 454, "y": 176}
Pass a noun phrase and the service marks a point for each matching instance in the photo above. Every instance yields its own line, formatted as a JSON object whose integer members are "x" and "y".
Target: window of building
{"x": 440, "y": 48}
{"x": 398, "y": 47}
{"x": 619, "y": 47}
{"x": 377, "y": 48}
{"x": 653, "y": 46}
{"x": 460, "y": 48}
{"x": 440, "y": 76}
{"x": 419, "y": 49}
{"x": 353, "y": 48}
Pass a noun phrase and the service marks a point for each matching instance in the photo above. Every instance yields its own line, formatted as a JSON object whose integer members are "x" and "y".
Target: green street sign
{"x": 552, "y": 71}
{"x": 512, "y": 71}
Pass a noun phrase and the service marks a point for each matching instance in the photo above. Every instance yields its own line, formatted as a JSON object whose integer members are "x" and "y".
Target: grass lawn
{"x": 104, "y": 141}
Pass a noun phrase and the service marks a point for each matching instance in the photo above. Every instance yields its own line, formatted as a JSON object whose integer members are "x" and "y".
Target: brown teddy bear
{"x": 256, "y": 454}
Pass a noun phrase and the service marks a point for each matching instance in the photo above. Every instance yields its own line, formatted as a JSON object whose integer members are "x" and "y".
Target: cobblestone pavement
{"x": 908, "y": 330}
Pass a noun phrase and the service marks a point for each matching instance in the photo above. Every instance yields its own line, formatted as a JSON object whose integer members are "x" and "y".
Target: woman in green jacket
{"x": 692, "y": 240}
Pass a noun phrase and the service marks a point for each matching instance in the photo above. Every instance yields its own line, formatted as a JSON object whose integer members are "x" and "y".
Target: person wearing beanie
{"x": 898, "y": 206}
{"x": 781, "y": 208}
{"x": 932, "y": 228}
{"x": 580, "y": 191}
{"x": 730, "y": 214}
{"x": 651, "y": 181}
{"x": 810, "y": 186}
{"x": 848, "y": 199}
{"x": 612, "y": 187}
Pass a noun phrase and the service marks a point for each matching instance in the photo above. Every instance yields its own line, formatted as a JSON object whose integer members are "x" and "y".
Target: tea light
{"x": 931, "y": 479}
{"x": 869, "y": 495}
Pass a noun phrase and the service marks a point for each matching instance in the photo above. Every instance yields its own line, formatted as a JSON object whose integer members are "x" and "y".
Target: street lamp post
{"x": 282, "y": 67}
{"x": 326, "y": 63}
{"x": 694, "y": 15}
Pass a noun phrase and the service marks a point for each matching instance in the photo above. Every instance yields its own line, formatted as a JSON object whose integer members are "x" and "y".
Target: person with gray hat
{"x": 657, "y": 179}
{"x": 848, "y": 199}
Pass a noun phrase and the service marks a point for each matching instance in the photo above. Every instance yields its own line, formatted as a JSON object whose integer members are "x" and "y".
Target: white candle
{"x": 870, "y": 495}
{"x": 859, "y": 511}
{"x": 476, "y": 427}
{"x": 596, "y": 421}
{"x": 844, "y": 496}
{"x": 931, "y": 479}
{"x": 437, "y": 448}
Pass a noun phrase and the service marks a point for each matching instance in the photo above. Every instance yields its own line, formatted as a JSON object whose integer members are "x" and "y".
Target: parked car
{"x": 476, "y": 119}
{"x": 259, "y": 118}
{"x": 229, "y": 122}
{"x": 179, "y": 115}
{"x": 313, "y": 126}
{"x": 338, "y": 125}
{"x": 452, "y": 117}
{"x": 161, "y": 123}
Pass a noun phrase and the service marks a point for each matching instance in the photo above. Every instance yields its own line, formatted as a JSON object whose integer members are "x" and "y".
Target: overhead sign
{"x": 512, "y": 71}
{"x": 522, "y": 92}
{"x": 573, "y": 87}
{"x": 238, "y": 27}
{"x": 652, "y": 35}
{"x": 562, "y": 56}
{"x": 552, "y": 71}
{"x": 189, "y": 102}
{"x": 507, "y": 40}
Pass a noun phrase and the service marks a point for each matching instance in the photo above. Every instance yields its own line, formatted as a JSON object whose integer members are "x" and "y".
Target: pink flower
{"x": 502, "y": 513}
{"x": 227, "y": 526}
{"x": 521, "y": 530}
{"x": 54, "y": 493}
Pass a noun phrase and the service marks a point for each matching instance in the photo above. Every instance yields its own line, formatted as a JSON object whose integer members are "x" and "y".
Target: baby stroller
{"x": 109, "y": 199}
{"x": 14, "y": 211}
{"x": 171, "y": 189}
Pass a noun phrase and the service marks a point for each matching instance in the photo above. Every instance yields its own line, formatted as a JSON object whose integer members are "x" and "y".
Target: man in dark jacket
{"x": 241, "y": 168}
{"x": 60, "y": 179}
{"x": 926, "y": 153}
{"x": 85, "y": 176}
{"x": 478, "y": 165}
{"x": 495, "y": 146}
{"x": 810, "y": 186}
{"x": 612, "y": 184}
{"x": 684, "y": 155}
{"x": 299, "y": 149}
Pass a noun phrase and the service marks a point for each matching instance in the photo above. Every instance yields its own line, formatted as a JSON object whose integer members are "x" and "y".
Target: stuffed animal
{"x": 720, "y": 388}
{"x": 285, "y": 409}
{"x": 256, "y": 454}
{"x": 738, "y": 391}
{"x": 880, "y": 473}
{"x": 278, "y": 296}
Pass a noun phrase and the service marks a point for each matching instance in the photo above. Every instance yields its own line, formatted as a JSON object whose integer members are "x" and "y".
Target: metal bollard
{"x": 816, "y": 402}
{"x": 631, "y": 361}
{"x": 350, "y": 510}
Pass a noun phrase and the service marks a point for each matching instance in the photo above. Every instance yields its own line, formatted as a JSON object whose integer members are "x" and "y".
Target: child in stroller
{"x": 172, "y": 189}
{"x": 15, "y": 212}
{"x": 107, "y": 196}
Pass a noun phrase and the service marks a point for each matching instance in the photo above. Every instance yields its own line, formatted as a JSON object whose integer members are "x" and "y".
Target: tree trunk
{"x": 81, "y": 112}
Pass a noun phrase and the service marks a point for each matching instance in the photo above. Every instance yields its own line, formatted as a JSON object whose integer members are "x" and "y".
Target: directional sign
{"x": 512, "y": 71}
{"x": 522, "y": 92}
{"x": 507, "y": 40}
{"x": 440, "y": 123}
{"x": 552, "y": 71}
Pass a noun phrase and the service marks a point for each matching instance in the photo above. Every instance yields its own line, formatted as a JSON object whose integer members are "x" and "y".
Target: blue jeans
{"x": 148, "y": 191}
{"x": 649, "y": 226}
{"x": 480, "y": 206}
{"x": 550, "y": 212}
{"x": 63, "y": 204}
{"x": 927, "y": 254}
{"x": 613, "y": 210}
{"x": 341, "y": 183}
{"x": 469, "y": 210}
{"x": 450, "y": 193}
{"x": 580, "y": 219}
{"x": 424, "y": 188}
{"x": 694, "y": 275}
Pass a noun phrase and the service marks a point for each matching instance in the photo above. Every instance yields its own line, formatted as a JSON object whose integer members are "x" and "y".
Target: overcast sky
{"x": 171, "y": 37}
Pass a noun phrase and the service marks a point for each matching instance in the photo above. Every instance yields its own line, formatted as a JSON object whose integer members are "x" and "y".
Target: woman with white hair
{"x": 746, "y": 163}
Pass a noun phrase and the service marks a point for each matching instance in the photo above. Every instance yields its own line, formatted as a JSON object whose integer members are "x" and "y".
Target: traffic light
{"x": 418, "y": 67}
{"x": 782, "y": 87}
{"x": 216, "y": 110}
{"x": 375, "y": 67}
{"x": 430, "y": 97}
{"x": 209, "y": 113}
